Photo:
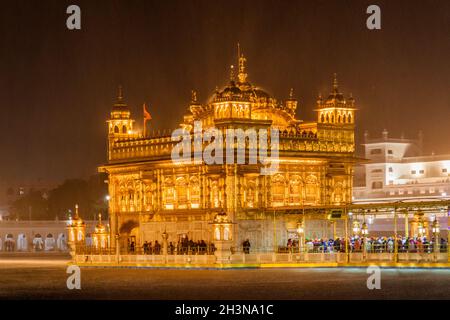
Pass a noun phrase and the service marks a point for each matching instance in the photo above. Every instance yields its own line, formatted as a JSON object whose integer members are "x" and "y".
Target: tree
{"x": 32, "y": 205}
{"x": 88, "y": 194}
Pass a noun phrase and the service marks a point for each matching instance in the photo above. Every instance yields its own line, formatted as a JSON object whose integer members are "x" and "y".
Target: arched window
{"x": 194, "y": 187}
{"x": 338, "y": 193}
{"x": 295, "y": 190}
{"x": 349, "y": 119}
{"x": 217, "y": 233}
{"x": 312, "y": 191}
{"x": 278, "y": 189}
{"x": 182, "y": 193}
{"x": 122, "y": 197}
{"x": 130, "y": 197}
{"x": 124, "y": 129}
{"x": 116, "y": 129}
{"x": 339, "y": 119}
{"x": 215, "y": 200}
{"x": 328, "y": 118}
{"x": 322, "y": 118}
{"x": 250, "y": 194}
{"x": 168, "y": 194}
{"x": 226, "y": 233}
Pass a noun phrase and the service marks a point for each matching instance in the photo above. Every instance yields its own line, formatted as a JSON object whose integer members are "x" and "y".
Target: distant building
{"x": 11, "y": 191}
{"x": 397, "y": 169}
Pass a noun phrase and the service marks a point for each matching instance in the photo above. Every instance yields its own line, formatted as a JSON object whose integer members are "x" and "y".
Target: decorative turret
{"x": 120, "y": 123}
{"x": 77, "y": 230}
{"x": 336, "y": 109}
{"x": 100, "y": 235}
{"x": 291, "y": 103}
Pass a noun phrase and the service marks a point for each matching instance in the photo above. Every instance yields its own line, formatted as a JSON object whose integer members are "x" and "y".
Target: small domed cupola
{"x": 120, "y": 123}
{"x": 336, "y": 109}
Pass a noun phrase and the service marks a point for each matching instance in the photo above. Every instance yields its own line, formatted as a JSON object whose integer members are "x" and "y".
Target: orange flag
{"x": 147, "y": 116}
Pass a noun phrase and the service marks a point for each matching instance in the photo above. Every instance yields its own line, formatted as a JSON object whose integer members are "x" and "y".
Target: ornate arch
{"x": 278, "y": 186}
{"x": 295, "y": 189}
{"x": 194, "y": 192}
{"x": 312, "y": 189}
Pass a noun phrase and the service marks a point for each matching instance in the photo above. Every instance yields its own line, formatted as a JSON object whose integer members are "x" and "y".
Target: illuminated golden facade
{"x": 150, "y": 194}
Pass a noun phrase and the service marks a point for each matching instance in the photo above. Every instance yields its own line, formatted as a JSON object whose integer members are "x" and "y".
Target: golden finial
{"x": 193, "y": 96}
{"x": 100, "y": 218}
{"x": 335, "y": 83}
{"x": 241, "y": 63}
{"x": 291, "y": 94}
{"x": 76, "y": 210}
{"x": 120, "y": 94}
{"x": 239, "y": 51}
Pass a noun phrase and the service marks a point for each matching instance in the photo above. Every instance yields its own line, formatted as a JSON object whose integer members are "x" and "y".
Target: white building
{"x": 397, "y": 169}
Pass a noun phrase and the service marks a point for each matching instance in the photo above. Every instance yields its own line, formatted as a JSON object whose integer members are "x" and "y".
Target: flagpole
{"x": 145, "y": 122}
{"x": 147, "y": 117}
{"x": 145, "y": 131}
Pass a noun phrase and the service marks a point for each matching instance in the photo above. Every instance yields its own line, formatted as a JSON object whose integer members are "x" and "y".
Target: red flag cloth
{"x": 147, "y": 115}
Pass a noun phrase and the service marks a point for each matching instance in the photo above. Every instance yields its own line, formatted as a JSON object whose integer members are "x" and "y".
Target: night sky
{"x": 57, "y": 86}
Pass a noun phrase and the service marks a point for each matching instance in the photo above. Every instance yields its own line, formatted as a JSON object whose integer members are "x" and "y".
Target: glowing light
{"x": 356, "y": 227}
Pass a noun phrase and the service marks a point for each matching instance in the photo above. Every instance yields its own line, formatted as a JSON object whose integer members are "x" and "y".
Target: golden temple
{"x": 152, "y": 197}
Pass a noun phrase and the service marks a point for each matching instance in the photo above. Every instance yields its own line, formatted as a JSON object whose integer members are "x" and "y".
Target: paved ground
{"x": 45, "y": 278}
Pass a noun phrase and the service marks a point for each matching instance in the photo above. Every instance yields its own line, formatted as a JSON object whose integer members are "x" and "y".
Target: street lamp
{"x": 356, "y": 228}
{"x": 435, "y": 226}
{"x": 107, "y": 197}
{"x": 364, "y": 229}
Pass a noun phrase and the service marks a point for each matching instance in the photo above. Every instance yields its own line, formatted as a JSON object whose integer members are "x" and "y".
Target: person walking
{"x": 145, "y": 247}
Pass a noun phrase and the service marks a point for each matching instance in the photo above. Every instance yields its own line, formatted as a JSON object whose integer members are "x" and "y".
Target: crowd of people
{"x": 183, "y": 246}
{"x": 371, "y": 244}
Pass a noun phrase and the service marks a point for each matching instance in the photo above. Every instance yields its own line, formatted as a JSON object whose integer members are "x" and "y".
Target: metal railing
{"x": 158, "y": 250}
{"x": 370, "y": 248}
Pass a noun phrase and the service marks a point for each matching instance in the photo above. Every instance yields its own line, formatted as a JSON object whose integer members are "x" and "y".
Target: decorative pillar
{"x": 406, "y": 225}
{"x": 223, "y": 237}
{"x": 117, "y": 248}
{"x": 347, "y": 254}
{"x": 395, "y": 236}
{"x": 448, "y": 234}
